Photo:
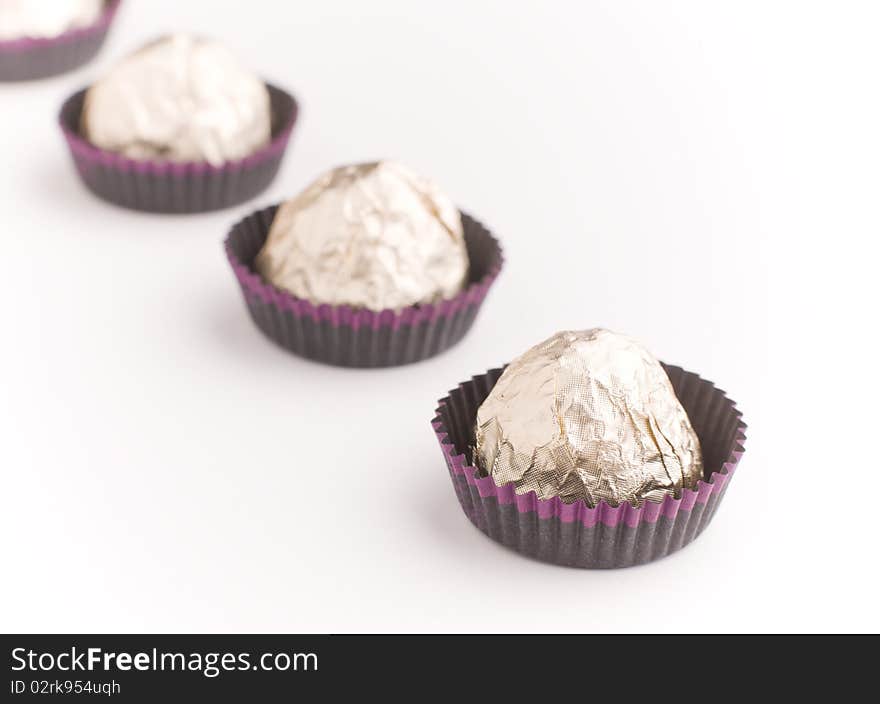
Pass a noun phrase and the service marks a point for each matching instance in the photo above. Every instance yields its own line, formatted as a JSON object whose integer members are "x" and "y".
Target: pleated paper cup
{"x": 173, "y": 187}
{"x": 604, "y": 536}
{"x": 351, "y": 337}
{"x": 31, "y": 58}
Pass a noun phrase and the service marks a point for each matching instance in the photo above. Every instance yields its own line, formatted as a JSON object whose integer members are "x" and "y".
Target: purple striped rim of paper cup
{"x": 722, "y": 435}
{"x": 372, "y": 338}
{"x": 154, "y": 185}
{"x": 29, "y": 58}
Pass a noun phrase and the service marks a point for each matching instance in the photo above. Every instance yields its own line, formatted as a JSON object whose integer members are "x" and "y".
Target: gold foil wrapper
{"x": 588, "y": 415}
{"x": 373, "y": 236}
{"x": 46, "y": 18}
{"x": 180, "y": 98}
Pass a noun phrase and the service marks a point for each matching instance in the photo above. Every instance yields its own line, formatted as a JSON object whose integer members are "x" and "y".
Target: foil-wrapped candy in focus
{"x": 44, "y": 20}
{"x": 179, "y": 98}
{"x": 588, "y": 415}
{"x": 373, "y": 236}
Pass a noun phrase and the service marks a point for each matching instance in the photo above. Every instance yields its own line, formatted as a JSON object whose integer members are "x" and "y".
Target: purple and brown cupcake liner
{"x": 352, "y": 337}
{"x": 605, "y": 536}
{"x": 173, "y": 187}
{"x": 31, "y": 58}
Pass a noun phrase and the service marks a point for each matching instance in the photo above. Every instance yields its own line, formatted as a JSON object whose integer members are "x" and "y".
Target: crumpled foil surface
{"x": 373, "y": 236}
{"x": 179, "y": 98}
{"x": 588, "y": 415}
{"x": 45, "y": 18}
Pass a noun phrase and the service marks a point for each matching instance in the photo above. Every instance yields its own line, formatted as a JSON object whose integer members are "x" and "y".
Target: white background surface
{"x": 703, "y": 176}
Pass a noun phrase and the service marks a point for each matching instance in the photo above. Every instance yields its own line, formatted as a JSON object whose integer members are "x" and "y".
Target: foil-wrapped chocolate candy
{"x": 44, "y": 20}
{"x": 588, "y": 415}
{"x": 179, "y": 98}
{"x": 371, "y": 235}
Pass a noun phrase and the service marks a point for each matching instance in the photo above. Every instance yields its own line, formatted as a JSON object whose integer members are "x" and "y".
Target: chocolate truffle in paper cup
{"x": 588, "y": 416}
{"x": 587, "y": 451}
{"x": 371, "y": 235}
{"x": 178, "y": 126}
{"x": 370, "y": 266}
{"x": 180, "y": 98}
{"x": 39, "y": 39}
